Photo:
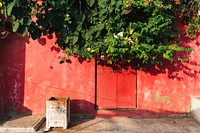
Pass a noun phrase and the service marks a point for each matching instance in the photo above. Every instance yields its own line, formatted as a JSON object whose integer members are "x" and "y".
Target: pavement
{"x": 122, "y": 124}
{"x": 131, "y": 125}
{"x": 21, "y": 123}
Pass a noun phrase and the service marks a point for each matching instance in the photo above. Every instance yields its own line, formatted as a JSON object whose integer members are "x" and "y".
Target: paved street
{"x": 131, "y": 125}
{"x": 119, "y": 124}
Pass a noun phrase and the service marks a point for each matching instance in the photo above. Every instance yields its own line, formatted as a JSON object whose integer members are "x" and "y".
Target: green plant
{"x": 109, "y": 30}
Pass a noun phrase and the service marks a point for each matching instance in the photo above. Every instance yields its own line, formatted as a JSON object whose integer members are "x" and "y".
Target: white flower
{"x": 115, "y": 36}
{"x": 120, "y": 34}
{"x": 88, "y": 49}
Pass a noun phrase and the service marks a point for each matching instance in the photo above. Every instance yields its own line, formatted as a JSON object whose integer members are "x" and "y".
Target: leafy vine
{"x": 108, "y": 30}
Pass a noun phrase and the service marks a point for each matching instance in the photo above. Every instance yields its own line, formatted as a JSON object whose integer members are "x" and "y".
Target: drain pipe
{"x": 95, "y": 91}
{"x": 136, "y": 91}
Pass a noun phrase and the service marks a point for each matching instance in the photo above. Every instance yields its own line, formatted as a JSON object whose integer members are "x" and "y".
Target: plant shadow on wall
{"x": 12, "y": 75}
{"x": 178, "y": 69}
{"x": 118, "y": 32}
{"x": 171, "y": 68}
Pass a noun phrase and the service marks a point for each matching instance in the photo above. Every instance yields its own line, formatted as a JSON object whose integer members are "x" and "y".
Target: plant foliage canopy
{"x": 110, "y": 30}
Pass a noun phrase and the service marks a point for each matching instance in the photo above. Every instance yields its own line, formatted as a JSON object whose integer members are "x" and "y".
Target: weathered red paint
{"x": 12, "y": 58}
{"x": 115, "y": 89}
{"x": 30, "y": 74}
{"x": 1, "y": 103}
{"x": 168, "y": 88}
{"x": 45, "y": 77}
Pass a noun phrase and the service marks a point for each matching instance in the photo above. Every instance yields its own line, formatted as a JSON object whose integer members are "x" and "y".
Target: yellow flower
{"x": 1, "y": 4}
{"x": 131, "y": 32}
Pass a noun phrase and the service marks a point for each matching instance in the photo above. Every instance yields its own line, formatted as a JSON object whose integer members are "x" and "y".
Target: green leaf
{"x": 185, "y": 59}
{"x": 112, "y": 2}
{"x": 62, "y": 60}
{"x": 10, "y": 7}
{"x": 90, "y": 2}
{"x": 80, "y": 18}
{"x": 16, "y": 25}
{"x": 26, "y": 21}
{"x": 42, "y": 22}
{"x": 100, "y": 27}
{"x": 35, "y": 33}
{"x": 75, "y": 39}
{"x": 22, "y": 30}
{"x": 110, "y": 62}
{"x": 103, "y": 11}
{"x": 86, "y": 36}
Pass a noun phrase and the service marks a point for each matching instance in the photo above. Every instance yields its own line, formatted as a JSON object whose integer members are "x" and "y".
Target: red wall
{"x": 170, "y": 87}
{"x": 30, "y": 74}
{"x": 116, "y": 89}
{"x": 45, "y": 77}
{"x": 12, "y": 58}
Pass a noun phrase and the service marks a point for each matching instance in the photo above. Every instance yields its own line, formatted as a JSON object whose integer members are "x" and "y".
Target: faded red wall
{"x": 12, "y": 58}
{"x": 169, "y": 88}
{"x": 45, "y": 77}
{"x": 30, "y": 74}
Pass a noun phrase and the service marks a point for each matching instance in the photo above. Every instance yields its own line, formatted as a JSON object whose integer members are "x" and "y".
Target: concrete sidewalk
{"x": 21, "y": 123}
{"x": 183, "y": 124}
{"x": 131, "y": 125}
